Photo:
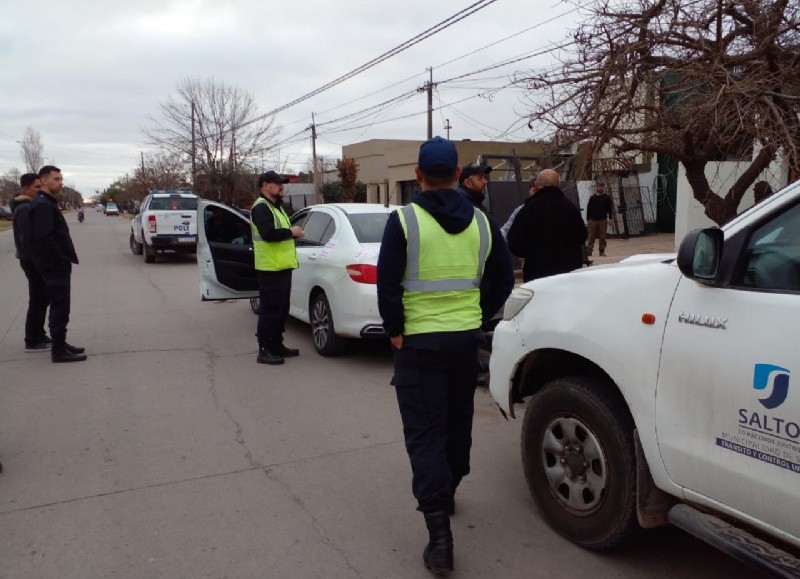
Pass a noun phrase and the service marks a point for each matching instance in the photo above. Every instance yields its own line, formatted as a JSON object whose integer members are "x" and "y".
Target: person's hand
{"x": 397, "y": 341}
{"x": 297, "y": 232}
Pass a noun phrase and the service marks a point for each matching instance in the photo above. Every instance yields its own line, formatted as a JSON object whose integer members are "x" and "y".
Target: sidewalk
{"x": 619, "y": 249}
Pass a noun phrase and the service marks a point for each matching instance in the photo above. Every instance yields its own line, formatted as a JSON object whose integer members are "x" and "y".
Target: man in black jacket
{"x": 53, "y": 255}
{"x": 599, "y": 210}
{"x": 472, "y": 184}
{"x": 548, "y": 232}
{"x": 443, "y": 268}
{"x": 35, "y": 338}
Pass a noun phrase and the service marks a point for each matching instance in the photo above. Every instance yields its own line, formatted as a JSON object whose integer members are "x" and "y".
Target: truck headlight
{"x": 516, "y": 301}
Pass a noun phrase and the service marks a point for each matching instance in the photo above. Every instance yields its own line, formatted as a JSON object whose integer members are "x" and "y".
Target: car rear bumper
{"x": 173, "y": 241}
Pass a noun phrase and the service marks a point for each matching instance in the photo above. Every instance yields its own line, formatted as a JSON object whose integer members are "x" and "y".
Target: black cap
{"x": 271, "y": 177}
{"x": 473, "y": 169}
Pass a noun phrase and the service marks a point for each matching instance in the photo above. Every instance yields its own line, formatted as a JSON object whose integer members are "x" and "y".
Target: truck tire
{"x": 580, "y": 461}
{"x": 136, "y": 248}
{"x": 149, "y": 253}
{"x": 323, "y": 334}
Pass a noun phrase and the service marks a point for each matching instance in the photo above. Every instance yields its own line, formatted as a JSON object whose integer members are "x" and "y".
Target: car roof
{"x": 353, "y": 208}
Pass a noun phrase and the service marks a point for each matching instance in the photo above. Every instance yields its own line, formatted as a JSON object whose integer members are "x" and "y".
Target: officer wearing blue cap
{"x": 443, "y": 269}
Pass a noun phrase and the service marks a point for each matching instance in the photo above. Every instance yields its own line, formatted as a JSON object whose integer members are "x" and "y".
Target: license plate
{"x": 186, "y": 240}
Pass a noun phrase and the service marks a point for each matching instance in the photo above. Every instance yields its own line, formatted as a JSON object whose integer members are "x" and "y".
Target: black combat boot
{"x": 286, "y": 352}
{"x": 438, "y": 554}
{"x": 61, "y": 351}
{"x": 268, "y": 355}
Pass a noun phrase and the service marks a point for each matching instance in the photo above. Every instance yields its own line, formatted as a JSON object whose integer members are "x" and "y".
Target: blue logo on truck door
{"x": 779, "y": 377}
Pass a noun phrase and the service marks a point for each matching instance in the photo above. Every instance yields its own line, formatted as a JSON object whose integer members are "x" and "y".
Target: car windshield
{"x": 368, "y": 227}
{"x": 111, "y": 206}
{"x": 174, "y": 203}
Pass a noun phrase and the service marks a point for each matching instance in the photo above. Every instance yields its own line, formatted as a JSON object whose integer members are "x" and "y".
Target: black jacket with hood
{"x": 454, "y": 213}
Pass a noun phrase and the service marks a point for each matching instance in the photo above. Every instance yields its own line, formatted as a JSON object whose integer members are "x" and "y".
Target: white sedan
{"x": 334, "y": 289}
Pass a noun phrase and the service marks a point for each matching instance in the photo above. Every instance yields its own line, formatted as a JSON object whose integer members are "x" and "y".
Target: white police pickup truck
{"x": 666, "y": 391}
{"x": 167, "y": 222}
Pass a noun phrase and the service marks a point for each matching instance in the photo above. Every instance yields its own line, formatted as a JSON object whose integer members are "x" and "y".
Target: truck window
{"x": 772, "y": 257}
{"x": 173, "y": 204}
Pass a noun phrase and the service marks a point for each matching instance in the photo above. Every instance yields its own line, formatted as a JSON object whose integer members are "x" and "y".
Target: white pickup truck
{"x": 661, "y": 391}
{"x": 167, "y": 221}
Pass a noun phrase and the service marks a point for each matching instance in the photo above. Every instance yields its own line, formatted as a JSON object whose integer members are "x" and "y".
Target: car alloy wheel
{"x": 326, "y": 342}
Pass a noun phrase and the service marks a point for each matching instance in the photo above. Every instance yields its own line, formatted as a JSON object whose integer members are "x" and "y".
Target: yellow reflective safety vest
{"x": 443, "y": 272}
{"x": 273, "y": 255}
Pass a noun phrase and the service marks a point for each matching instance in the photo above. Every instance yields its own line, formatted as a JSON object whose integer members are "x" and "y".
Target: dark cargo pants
{"x": 434, "y": 377}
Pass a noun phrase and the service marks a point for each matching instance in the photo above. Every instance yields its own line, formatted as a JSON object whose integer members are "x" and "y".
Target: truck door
{"x": 728, "y": 394}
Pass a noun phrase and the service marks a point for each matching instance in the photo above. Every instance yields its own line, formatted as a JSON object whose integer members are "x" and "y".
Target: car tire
{"x": 323, "y": 333}
{"x": 149, "y": 253}
{"x": 579, "y": 460}
{"x": 255, "y": 305}
{"x": 136, "y": 248}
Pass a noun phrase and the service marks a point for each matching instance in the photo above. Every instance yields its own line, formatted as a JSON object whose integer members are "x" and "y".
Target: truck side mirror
{"x": 700, "y": 254}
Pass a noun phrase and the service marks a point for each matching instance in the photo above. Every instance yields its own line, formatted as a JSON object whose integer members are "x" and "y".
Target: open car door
{"x": 225, "y": 256}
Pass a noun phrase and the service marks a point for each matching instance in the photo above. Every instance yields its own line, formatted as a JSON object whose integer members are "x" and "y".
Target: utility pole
{"x": 447, "y": 127}
{"x": 428, "y": 87}
{"x": 314, "y": 157}
{"x": 144, "y": 175}
{"x": 194, "y": 152}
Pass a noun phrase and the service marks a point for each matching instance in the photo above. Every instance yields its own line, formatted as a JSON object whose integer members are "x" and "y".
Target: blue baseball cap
{"x": 438, "y": 158}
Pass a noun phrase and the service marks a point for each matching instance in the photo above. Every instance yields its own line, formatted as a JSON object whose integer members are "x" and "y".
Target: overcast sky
{"x": 89, "y": 75}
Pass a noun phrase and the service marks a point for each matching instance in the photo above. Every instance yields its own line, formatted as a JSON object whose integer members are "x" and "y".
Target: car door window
{"x": 772, "y": 257}
{"x": 300, "y": 218}
{"x": 319, "y": 228}
{"x": 224, "y": 226}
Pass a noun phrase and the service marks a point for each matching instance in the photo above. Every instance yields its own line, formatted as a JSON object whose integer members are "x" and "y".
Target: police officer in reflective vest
{"x": 443, "y": 269}
{"x": 275, "y": 258}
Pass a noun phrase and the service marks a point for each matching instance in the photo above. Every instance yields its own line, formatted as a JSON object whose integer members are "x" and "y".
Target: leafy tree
{"x": 700, "y": 81}
{"x": 332, "y": 192}
{"x": 348, "y": 171}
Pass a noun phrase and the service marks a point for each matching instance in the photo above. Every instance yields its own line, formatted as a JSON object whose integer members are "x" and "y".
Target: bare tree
{"x": 230, "y": 135}
{"x": 32, "y": 150}
{"x": 161, "y": 171}
{"x": 9, "y": 186}
{"x": 699, "y": 80}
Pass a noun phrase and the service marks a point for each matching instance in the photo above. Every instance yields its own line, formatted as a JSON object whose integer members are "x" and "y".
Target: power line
{"x": 446, "y": 23}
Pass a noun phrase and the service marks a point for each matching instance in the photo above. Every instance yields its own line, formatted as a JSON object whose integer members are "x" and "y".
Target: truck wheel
{"x": 136, "y": 248}
{"x": 326, "y": 342}
{"x": 579, "y": 460}
{"x": 149, "y": 253}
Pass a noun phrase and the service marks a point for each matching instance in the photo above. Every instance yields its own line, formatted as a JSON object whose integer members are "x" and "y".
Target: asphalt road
{"x": 171, "y": 453}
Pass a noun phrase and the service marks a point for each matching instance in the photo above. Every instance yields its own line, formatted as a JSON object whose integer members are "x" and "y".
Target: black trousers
{"x": 57, "y": 283}
{"x": 434, "y": 377}
{"x": 37, "y": 303}
{"x": 274, "y": 288}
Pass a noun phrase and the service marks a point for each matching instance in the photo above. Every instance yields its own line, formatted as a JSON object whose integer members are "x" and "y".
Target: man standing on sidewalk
{"x": 598, "y": 212}
{"x": 35, "y": 338}
{"x": 53, "y": 254}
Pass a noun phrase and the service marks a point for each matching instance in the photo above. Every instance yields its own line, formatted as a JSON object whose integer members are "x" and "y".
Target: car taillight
{"x": 363, "y": 272}
{"x": 151, "y": 223}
